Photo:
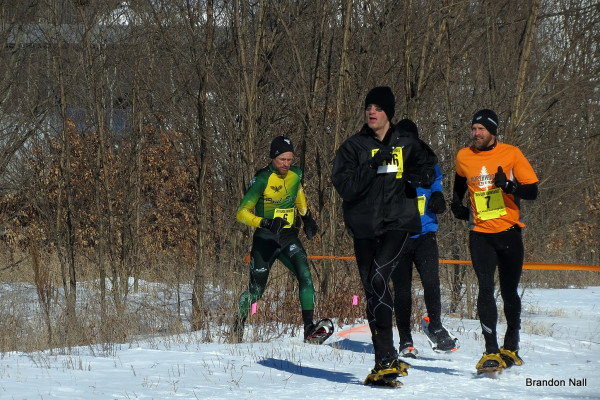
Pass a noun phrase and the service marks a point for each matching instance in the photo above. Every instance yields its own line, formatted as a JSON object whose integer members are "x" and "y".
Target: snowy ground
{"x": 559, "y": 343}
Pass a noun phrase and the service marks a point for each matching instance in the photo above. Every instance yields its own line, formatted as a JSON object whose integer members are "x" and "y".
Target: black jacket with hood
{"x": 376, "y": 203}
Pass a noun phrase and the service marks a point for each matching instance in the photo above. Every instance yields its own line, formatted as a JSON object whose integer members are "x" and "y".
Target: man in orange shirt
{"x": 497, "y": 176}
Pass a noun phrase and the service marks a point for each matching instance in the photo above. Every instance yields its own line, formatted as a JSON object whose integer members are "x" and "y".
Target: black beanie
{"x": 280, "y": 145}
{"x": 384, "y": 98}
{"x": 409, "y": 126}
{"x": 487, "y": 118}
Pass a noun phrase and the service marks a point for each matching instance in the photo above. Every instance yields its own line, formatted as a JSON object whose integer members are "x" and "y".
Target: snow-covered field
{"x": 560, "y": 344}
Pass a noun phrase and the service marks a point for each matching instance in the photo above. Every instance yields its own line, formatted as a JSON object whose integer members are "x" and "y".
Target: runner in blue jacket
{"x": 422, "y": 250}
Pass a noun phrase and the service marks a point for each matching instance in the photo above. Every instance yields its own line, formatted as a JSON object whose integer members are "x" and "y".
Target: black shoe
{"x": 236, "y": 334}
{"x": 443, "y": 339}
{"x": 309, "y": 330}
{"x": 407, "y": 350}
{"x": 390, "y": 366}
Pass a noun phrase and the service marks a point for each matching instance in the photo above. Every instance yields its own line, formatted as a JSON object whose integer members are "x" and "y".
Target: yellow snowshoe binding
{"x": 510, "y": 357}
{"x": 386, "y": 373}
{"x": 490, "y": 362}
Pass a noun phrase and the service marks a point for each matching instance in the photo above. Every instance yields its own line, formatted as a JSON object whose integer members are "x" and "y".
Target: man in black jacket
{"x": 376, "y": 172}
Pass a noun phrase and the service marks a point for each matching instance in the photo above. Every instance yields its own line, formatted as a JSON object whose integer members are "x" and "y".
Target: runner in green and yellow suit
{"x": 271, "y": 203}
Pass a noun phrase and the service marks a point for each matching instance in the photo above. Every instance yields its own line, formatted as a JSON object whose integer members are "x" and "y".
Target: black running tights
{"x": 376, "y": 259}
{"x": 423, "y": 252}
{"x": 505, "y": 250}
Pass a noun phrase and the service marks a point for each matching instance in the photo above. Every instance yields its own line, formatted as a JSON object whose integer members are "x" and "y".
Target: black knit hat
{"x": 487, "y": 118}
{"x": 409, "y": 126}
{"x": 384, "y": 98}
{"x": 280, "y": 145}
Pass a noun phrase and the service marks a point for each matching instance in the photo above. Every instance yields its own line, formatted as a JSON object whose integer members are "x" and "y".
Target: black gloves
{"x": 384, "y": 154}
{"x": 436, "y": 203}
{"x": 459, "y": 211}
{"x": 277, "y": 224}
{"x": 274, "y": 225}
{"x": 425, "y": 177}
{"x": 310, "y": 226}
{"x": 500, "y": 181}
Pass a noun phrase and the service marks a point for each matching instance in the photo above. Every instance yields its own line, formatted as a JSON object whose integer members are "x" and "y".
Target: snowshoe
{"x": 510, "y": 357}
{"x": 441, "y": 340}
{"x": 407, "y": 350}
{"x": 490, "y": 363}
{"x": 319, "y": 332}
{"x": 389, "y": 380}
{"x": 386, "y": 373}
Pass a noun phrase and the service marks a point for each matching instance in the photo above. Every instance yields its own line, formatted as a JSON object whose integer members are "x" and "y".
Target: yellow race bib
{"x": 489, "y": 204}
{"x": 395, "y": 165}
{"x": 421, "y": 201}
{"x": 287, "y": 214}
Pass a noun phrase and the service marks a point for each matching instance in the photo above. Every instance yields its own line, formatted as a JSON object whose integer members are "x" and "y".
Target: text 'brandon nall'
{"x": 556, "y": 382}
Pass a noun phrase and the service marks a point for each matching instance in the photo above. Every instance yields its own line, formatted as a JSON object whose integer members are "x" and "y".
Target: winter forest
{"x": 129, "y": 131}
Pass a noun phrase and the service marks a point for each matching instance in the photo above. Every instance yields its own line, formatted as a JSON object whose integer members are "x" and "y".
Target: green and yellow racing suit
{"x": 271, "y": 195}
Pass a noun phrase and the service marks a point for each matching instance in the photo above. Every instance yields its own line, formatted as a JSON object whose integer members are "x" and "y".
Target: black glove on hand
{"x": 274, "y": 225}
{"x": 310, "y": 226}
{"x": 427, "y": 177}
{"x": 436, "y": 203}
{"x": 500, "y": 181}
{"x": 459, "y": 211}
{"x": 424, "y": 177}
{"x": 384, "y": 154}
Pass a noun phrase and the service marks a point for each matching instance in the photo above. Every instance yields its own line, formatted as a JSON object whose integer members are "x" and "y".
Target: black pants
{"x": 423, "y": 252}
{"x": 505, "y": 250}
{"x": 376, "y": 259}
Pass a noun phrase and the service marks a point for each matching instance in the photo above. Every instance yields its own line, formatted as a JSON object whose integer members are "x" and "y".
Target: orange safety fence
{"x": 526, "y": 265}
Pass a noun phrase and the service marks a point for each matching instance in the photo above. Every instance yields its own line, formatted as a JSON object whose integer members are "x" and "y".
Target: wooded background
{"x": 129, "y": 130}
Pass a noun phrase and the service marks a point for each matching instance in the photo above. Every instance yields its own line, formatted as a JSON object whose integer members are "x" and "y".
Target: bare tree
{"x": 199, "y": 89}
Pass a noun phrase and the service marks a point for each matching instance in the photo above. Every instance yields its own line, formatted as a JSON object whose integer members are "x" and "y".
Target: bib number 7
{"x": 489, "y": 204}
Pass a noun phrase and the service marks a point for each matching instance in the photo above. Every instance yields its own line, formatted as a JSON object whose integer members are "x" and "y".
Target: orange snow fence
{"x": 536, "y": 265}
{"x": 526, "y": 265}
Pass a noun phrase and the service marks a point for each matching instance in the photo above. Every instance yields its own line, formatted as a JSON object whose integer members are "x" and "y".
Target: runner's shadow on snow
{"x": 290, "y": 367}
{"x": 353, "y": 345}
{"x": 435, "y": 370}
